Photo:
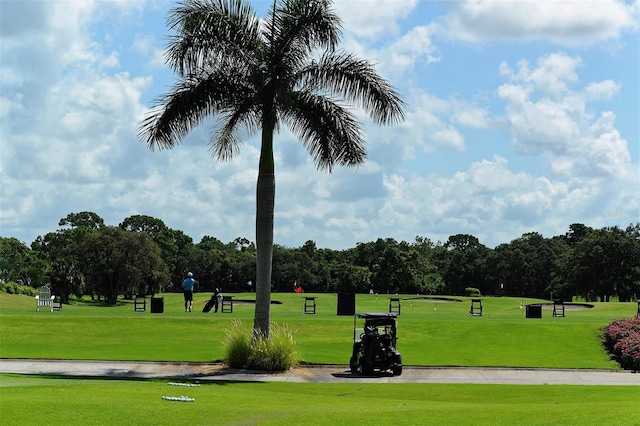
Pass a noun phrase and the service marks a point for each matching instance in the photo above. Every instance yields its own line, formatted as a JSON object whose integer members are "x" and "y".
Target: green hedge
{"x": 14, "y": 288}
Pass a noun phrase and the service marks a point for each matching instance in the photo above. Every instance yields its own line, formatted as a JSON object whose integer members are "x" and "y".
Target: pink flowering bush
{"x": 622, "y": 339}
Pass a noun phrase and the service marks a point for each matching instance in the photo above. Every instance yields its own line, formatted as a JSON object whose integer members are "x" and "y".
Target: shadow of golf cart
{"x": 374, "y": 344}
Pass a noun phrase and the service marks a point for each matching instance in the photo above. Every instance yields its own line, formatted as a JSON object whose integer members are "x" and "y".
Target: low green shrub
{"x": 12, "y": 287}
{"x": 237, "y": 345}
{"x": 472, "y": 292}
{"x": 276, "y": 353}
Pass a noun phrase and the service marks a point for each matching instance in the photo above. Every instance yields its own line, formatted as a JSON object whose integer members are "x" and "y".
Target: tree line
{"x": 143, "y": 256}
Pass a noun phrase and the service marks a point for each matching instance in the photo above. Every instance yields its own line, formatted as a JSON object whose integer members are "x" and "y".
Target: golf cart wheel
{"x": 353, "y": 364}
{"x": 365, "y": 366}
{"x": 397, "y": 370}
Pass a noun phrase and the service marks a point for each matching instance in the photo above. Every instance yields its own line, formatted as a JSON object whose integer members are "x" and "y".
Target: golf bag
{"x": 209, "y": 304}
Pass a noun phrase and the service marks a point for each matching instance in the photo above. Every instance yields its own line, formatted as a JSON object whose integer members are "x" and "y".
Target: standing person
{"x": 217, "y": 298}
{"x": 187, "y": 287}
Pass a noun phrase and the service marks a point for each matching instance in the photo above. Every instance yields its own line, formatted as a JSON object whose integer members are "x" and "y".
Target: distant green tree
{"x": 604, "y": 262}
{"x": 88, "y": 220}
{"x": 293, "y": 267}
{"x": 211, "y": 243}
{"x": 396, "y": 267}
{"x": 463, "y": 264}
{"x": 62, "y": 249}
{"x": 577, "y": 232}
{"x": 122, "y": 262}
{"x": 206, "y": 268}
{"x": 432, "y": 283}
{"x": 242, "y": 267}
{"x": 350, "y": 278}
{"x": 184, "y": 258}
{"x": 67, "y": 279}
{"x": 18, "y": 263}
{"x": 525, "y": 266}
{"x": 161, "y": 234}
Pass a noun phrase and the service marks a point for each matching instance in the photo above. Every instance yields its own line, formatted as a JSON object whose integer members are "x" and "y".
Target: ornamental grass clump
{"x": 622, "y": 339}
{"x": 245, "y": 350}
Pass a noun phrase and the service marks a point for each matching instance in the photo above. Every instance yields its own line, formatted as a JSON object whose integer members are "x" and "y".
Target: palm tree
{"x": 256, "y": 76}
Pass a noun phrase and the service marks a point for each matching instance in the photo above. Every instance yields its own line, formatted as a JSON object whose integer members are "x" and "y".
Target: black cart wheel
{"x": 353, "y": 364}
{"x": 365, "y": 366}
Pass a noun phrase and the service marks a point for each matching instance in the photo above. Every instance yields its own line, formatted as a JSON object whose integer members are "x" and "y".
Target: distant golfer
{"x": 187, "y": 287}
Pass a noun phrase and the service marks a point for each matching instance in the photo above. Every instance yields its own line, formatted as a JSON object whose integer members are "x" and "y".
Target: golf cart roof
{"x": 373, "y": 315}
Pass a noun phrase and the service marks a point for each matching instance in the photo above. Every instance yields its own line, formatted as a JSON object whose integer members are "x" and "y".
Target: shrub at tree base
{"x": 472, "y": 292}
{"x": 622, "y": 339}
{"x": 14, "y": 288}
{"x": 259, "y": 353}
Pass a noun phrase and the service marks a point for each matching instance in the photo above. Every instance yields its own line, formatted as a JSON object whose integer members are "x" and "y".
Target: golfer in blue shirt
{"x": 187, "y": 286}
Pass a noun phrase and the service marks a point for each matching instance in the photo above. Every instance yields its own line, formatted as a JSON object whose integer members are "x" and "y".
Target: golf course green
{"x": 432, "y": 332}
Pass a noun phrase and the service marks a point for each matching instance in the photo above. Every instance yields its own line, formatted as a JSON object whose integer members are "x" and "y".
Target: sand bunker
{"x": 568, "y": 306}
{"x": 438, "y": 299}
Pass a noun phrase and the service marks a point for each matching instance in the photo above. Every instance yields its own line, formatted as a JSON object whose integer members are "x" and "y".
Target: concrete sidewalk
{"x": 317, "y": 374}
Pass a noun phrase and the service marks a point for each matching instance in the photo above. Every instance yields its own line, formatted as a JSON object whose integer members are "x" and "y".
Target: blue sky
{"x": 521, "y": 116}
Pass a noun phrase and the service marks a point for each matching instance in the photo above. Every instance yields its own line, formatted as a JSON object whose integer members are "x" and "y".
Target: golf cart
{"x": 374, "y": 345}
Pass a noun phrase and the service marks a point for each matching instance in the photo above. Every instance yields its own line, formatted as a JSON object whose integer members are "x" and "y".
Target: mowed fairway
{"x": 116, "y": 402}
{"x": 431, "y": 334}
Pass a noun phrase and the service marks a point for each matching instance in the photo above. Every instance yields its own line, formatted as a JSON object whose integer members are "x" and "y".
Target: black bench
{"x": 476, "y": 308}
{"x": 394, "y": 305}
{"x": 309, "y": 305}
{"x": 558, "y": 308}
{"x": 227, "y": 304}
{"x": 140, "y": 304}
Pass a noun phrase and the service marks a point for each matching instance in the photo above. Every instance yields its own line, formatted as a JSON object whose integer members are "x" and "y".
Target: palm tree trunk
{"x": 265, "y": 196}
{"x": 265, "y": 201}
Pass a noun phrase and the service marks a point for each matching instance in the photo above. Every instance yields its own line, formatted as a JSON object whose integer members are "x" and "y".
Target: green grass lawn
{"x": 431, "y": 334}
{"x": 116, "y": 402}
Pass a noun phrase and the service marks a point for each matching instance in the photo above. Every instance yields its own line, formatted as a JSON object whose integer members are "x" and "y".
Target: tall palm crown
{"x": 258, "y": 76}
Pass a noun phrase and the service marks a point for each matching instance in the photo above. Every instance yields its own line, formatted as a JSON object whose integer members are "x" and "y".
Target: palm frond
{"x": 208, "y": 30}
{"x": 190, "y": 101}
{"x": 329, "y": 131}
{"x": 226, "y": 142}
{"x": 307, "y": 24}
{"x": 356, "y": 80}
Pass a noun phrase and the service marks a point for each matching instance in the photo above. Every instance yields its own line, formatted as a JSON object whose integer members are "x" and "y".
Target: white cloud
{"x": 9, "y": 106}
{"x": 603, "y": 150}
{"x": 147, "y": 46}
{"x": 73, "y": 93}
{"x": 551, "y": 75}
{"x": 602, "y": 90}
{"x": 429, "y": 121}
{"x": 471, "y": 115}
{"x": 373, "y": 18}
{"x": 545, "y": 115}
{"x": 494, "y": 203}
{"x": 413, "y": 47}
{"x": 565, "y": 22}
{"x": 448, "y": 138}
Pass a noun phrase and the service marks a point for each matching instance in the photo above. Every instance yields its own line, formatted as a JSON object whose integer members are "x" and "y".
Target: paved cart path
{"x": 317, "y": 374}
